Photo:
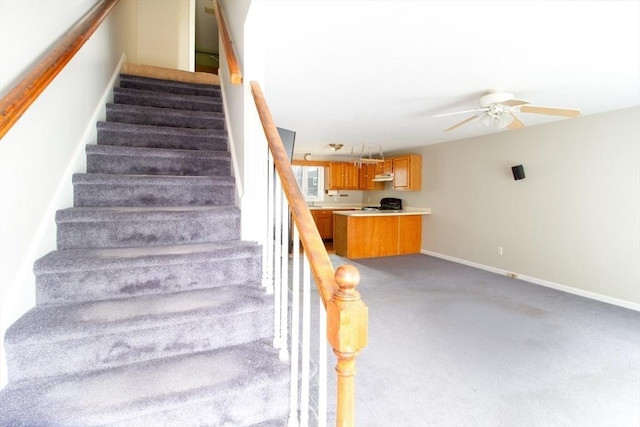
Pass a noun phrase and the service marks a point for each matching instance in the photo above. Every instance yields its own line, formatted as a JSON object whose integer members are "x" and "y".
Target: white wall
{"x": 247, "y": 143}
{"x": 39, "y": 154}
{"x": 166, "y": 35}
{"x": 572, "y": 223}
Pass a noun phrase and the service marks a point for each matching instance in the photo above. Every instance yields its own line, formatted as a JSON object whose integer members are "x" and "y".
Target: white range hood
{"x": 384, "y": 177}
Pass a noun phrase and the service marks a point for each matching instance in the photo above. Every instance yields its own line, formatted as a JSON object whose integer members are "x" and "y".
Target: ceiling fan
{"x": 498, "y": 109}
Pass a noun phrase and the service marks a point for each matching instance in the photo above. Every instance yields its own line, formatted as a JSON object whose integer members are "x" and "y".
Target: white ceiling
{"x": 372, "y": 73}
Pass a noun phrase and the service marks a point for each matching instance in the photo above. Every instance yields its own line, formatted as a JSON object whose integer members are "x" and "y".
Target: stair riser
{"x": 133, "y": 83}
{"x": 127, "y": 234}
{"x": 121, "y": 97}
{"x": 137, "y": 345}
{"x": 90, "y": 285}
{"x": 144, "y": 165}
{"x": 243, "y": 408}
{"x": 105, "y": 195}
{"x": 147, "y": 137}
{"x": 159, "y": 119}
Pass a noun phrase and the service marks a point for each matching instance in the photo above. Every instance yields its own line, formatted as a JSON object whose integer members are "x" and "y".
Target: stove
{"x": 386, "y": 204}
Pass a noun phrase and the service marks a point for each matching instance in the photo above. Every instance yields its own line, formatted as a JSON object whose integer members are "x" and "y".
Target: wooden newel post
{"x": 347, "y": 318}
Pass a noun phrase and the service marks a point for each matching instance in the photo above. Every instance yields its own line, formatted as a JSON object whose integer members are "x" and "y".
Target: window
{"x": 311, "y": 182}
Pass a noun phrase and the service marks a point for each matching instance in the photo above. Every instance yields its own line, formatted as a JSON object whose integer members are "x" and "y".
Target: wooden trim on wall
{"x": 321, "y": 163}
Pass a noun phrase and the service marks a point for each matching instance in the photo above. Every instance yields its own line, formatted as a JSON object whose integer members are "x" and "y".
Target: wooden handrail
{"x": 20, "y": 98}
{"x": 321, "y": 265}
{"x": 347, "y": 315}
{"x": 232, "y": 61}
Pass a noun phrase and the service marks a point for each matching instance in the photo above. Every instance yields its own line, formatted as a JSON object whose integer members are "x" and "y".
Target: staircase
{"x": 151, "y": 312}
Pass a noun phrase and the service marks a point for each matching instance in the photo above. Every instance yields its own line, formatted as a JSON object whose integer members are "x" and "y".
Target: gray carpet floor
{"x": 450, "y": 345}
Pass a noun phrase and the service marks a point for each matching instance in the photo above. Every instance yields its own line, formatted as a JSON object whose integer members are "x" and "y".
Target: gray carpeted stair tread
{"x": 78, "y": 275}
{"x": 240, "y": 386}
{"x": 91, "y": 214}
{"x": 151, "y": 256}
{"x": 166, "y": 100}
{"x": 102, "y": 334}
{"x": 113, "y": 133}
{"x": 156, "y": 152}
{"x": 136, "y": 114}
{"x": 131, "y": 227}
{"x": 156, "y": 161}
{"x": 170, "y": 86}
{"x": 179, "y": 181}
{"x": 101, "y": 190}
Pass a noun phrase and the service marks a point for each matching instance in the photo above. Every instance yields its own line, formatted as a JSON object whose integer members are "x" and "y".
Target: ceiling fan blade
{"x": 564, "y": 112}
{"x": 461, "y": 123}
{"x": 515, "y": 102}
{"x": 475, "y": 110}
{"x": 516, "y": 123}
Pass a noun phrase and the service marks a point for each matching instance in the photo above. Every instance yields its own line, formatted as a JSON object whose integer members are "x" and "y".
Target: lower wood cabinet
{"x": 374, "y": 236}
{"x": 324, "y": 222}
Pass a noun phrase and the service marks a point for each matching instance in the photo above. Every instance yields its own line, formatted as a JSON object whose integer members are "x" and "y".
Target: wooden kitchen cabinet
{"x": 407, "y": 172}
{"x": 368, "y": 171}
{"x": 410, "y": 234}
{"x": 324, "y": 221}
{"x": 341, "y": 176}
{"x": 387, "y": 166}
{"x": 377, "y": 235}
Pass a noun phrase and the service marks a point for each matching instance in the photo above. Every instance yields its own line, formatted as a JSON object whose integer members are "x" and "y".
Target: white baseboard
{"x": 537, "y": 281}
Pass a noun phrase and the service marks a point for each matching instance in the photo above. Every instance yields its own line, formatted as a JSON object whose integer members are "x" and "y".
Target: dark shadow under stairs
{"x": 151, "y": 311}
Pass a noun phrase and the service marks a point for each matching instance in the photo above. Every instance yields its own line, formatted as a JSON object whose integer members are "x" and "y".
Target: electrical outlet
{"x": 499, "y": 250}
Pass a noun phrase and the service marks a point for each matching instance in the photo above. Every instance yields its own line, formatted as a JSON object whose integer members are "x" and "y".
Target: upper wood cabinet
{"x": 407, "y": 172}
{"x": 341, "y": 176}
{"x": 406, "y": 169}
{"x": 368, "y": 171}
{"x": 387, "y": 166}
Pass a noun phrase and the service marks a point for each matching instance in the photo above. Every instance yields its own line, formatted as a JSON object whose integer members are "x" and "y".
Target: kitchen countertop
{"x": 406, "y": 211}
{"x": 334, "y": 207}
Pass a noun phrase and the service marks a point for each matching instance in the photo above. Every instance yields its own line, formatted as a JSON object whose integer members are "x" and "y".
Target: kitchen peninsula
{"x": 366, "y": 234}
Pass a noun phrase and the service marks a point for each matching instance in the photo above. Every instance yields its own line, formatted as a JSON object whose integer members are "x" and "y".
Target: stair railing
{"x": 343, "y": 316}
{"x": 235, "y": 75}
{"x": 20, "y": 98}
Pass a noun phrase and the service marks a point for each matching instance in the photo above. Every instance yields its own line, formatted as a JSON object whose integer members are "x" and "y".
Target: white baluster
{"x": 306, "y": 342}
{"x": 277, "y": 277}
{"x": 267, "y": 267}
{"x": 284, "y": 282}
{"x": 295, "y": 329}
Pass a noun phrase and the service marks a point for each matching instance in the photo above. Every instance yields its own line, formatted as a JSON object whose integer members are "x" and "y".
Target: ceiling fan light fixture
{"x": 503, "y": 120}
{"x": 498, "y": 111}
{"x": 486, "y": 120}
{"x": 335, "y": 147}
{"x": 496, "y": 120}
